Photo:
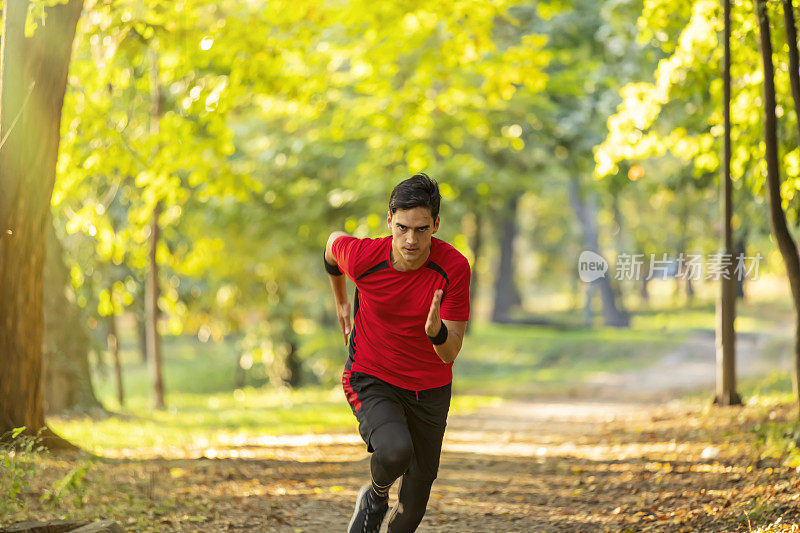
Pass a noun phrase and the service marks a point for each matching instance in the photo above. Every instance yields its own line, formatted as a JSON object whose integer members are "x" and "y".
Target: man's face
{"x": 412, "y": 230}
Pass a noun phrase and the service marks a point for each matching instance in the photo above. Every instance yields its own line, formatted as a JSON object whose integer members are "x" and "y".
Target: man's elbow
{"x": 450, "y": 355}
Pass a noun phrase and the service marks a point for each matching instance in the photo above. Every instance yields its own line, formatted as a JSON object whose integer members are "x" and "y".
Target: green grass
{"x": 241, "y": 417}
{"x": 521, "y": 360}
{"x": 776, "y": 433}
{"x": 204, "y": 409}
{"x": 518, "y": 360}
{"x": 774, "y": 388}
{"x": 751, "y": 316}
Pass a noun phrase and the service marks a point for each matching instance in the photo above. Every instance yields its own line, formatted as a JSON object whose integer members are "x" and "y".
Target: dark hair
{"x": 417, "y": 191}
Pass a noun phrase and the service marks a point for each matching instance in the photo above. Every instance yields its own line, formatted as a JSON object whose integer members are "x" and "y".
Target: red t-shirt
{"x": 391, "y": 306}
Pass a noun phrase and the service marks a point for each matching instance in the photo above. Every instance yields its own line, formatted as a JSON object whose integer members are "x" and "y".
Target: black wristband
{"x": 333, "y": 270}
{"x": 440, "y": 337}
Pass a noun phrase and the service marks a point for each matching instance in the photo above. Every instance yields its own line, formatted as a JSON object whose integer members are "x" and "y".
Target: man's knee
{"x": 395, "y": 452}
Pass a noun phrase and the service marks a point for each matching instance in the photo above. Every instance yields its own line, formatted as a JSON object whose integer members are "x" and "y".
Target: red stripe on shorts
{"x": 351, "y": 395}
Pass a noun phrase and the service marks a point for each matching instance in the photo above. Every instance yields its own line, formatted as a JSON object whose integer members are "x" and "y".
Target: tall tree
{"x": 726, "y": 312}
{"x": 794, "y": 60}
{"x": 68, "y": 381}
{"x": 593, "y": 54}
{"x": 113, "y": 348}
{"x": 585, "y": 210}
{"x": 780, "y": 230}
{"x": 152, "y": 314}
{"x": 475, "y": 233}
{"x": 506, "y": 294}
{"x": 33, "y": 78}
{"x": 153, "y": 290}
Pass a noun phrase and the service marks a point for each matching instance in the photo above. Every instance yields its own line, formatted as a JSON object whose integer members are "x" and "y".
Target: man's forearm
{"x": 339, "y": 286}
{"x": 448, "y": 351}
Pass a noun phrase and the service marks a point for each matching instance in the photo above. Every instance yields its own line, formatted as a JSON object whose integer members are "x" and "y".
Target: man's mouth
{"x": 410, "y": 250}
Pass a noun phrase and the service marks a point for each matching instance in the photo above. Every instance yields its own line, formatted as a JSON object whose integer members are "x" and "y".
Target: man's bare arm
{"x": 339, "y": 286}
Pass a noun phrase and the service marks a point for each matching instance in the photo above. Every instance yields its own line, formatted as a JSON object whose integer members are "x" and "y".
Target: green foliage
{"x": 663, "y": 144}
{"x": 779, "y": 440}
{"x": 776, "y": 434}
{"x": 18, "y": 455}
{"x": 259, "y": 128}
{"x": 676, "y": 119}
{"x": 71, "y": 484}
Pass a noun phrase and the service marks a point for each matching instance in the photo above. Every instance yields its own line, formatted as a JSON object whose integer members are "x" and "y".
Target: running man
{"x": 411, "y": 308}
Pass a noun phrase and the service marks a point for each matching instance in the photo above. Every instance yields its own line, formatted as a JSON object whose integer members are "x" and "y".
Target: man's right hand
{"x": 343, "y": 314}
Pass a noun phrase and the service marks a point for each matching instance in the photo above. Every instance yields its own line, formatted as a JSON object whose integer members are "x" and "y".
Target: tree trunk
{"x": 239, "y": 375}
{"x": 152, "y": 290}
{"x": 741, "y": 249}
{"x": 575, "y": 294}
{"x": 477, "y": 248}
{"x": 619, "y": 240}
{"x": 683, "y": 244}
{"x": 293, "y": 376}
{"x": 780, "y": 231}
{"x": 588, "y": 310}
{"x": 113, "y": 347}
{"x": 644, "y": 293}
{"x": 68, "y": 380}
{"x": 586, "y": 212}
{"x": 14, "y": 96}
{"x": 619, "y": 220}
{"x": 506, "y": 295}
{"x": 794, "y": 83}
{"x": 141, "y": 325}
{"x": 33, "y": 79}
{"x": 151, "y": 311}
{"x": 726, "y": 304}
{"x": 794, "y": 62}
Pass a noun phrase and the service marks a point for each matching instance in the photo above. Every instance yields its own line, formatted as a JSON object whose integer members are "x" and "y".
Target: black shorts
{"x": 376, "y": 402}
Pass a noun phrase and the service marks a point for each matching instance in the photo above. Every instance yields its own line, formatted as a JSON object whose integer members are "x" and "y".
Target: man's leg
{"x": 382, "y": 425}
{"x": 426, "y": 418}
{"x": 412, "y": 501}
{"x": 391, "y": 458}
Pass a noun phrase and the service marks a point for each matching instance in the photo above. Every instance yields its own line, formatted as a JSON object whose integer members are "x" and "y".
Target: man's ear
{"x": 389, "y": 219}
{"x": 436, "y": 225}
